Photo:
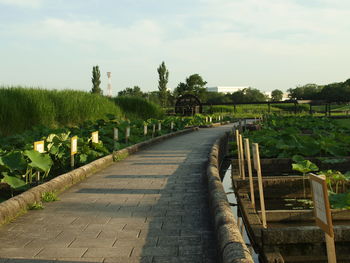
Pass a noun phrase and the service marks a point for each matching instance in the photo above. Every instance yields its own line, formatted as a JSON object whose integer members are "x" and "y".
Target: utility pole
{"x": 109, "y": 87}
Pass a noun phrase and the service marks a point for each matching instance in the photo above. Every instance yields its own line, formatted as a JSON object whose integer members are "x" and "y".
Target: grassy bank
{"x": 22, "y": 108}
{"x": 139, "y": 108}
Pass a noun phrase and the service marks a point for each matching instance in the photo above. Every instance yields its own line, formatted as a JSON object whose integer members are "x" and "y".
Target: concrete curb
{"x": 17, "y": 205}
{"x": 231, "y": 246}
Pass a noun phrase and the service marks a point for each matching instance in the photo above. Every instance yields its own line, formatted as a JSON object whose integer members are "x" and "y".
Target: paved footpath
{"x": 150, "y": 207}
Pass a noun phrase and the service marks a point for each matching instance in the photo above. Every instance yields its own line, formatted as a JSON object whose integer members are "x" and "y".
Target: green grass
{"x": 23, "y": 108}
{"x": 36, "y": 206}
{"x": 139, "y": 108}
{"x": 49, "y": 197}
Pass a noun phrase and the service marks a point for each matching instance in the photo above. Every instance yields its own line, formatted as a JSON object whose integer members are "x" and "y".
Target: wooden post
{"x": 260, "y": 182}
{"x": 239, "y": 154}
{"x": 242, "y": 156}
{"x": 153, "y": 130}
{"x": 144, "y": 130}
{"x": 331, "y": 255}
{"x": 250, "y": 173}
{"x": 127, "y": 134}
{"x": 73, "y": 150}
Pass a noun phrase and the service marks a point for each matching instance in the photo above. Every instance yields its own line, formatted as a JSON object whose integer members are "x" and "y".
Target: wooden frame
{"x": 328, "y": 225}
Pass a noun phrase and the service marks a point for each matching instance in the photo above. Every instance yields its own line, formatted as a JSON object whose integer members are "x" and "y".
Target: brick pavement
{"x": 150, "y": 207}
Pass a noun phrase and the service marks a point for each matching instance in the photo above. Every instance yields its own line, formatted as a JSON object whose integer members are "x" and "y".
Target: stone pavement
{"x": 150, "y": 207}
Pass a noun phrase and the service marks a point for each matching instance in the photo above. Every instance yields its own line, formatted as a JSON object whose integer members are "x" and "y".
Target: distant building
{"x": 225, "y": 89}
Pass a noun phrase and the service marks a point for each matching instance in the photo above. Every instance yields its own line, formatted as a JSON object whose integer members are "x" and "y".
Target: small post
{"x": 153, "y": 130}
{"x": 172, "y": 126}
{"x": 242, "y": 156}
{"x": 145, "y": 130}
{"x": 239, "y": 154}
{"x": 159, "y": 127}
{"x": 115, "y": 137}
{"x": 73, "y": 150}
{"x": 260, "y": 182}
{"x": 127, "y": 134}
{"x": 250, "y": 173}
{"x": 39, "y": 146}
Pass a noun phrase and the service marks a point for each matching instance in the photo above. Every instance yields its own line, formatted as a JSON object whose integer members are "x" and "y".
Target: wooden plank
{"x": 260, "y": 184}
{"x": 242, "y": 156}
{"x": 250, "y": 173}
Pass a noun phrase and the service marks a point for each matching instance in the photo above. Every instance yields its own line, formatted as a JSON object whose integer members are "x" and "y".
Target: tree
{"x": 306, "y": 92}
{"x": 133, "y": 92}
{"x": 163, "y": 74}
{"x": 248, "y": 95}
{"x": 194, "y": 85}
{"x": 96, "y": 80}
{"x": 276, "y": 95}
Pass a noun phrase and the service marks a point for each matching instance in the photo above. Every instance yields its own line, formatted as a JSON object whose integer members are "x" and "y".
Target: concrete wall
{"x": 231, "y": 245}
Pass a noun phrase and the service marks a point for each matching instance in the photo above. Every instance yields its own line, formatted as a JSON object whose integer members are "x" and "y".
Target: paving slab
{"x": 150, "y": 207}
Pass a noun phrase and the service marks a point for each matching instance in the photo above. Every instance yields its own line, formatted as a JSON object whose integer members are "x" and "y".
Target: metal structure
{"x": 188, "y": 105}
{"x": 109, "y": 87}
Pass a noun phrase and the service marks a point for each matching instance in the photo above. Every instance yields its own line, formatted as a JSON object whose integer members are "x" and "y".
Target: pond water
{"x": 227, "y": 183}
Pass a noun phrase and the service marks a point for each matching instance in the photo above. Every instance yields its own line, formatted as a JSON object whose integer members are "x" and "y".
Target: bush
{"x": 139, "y": 108}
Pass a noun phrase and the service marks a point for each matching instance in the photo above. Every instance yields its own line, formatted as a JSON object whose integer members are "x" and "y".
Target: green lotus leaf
{"x": 13, "y": 181}
{"x": 39, "y": 161}
{"x": 14, "y": 161}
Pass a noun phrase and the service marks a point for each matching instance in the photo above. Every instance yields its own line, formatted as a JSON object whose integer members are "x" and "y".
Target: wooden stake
{"x": 260, "y": 182}
{"x": 242, "y": 156}
{"x": 250, "y": 173}
{"x": 238, "y": 154}
{"x": 331, "y": 255}
{"x": 72, "y": 161}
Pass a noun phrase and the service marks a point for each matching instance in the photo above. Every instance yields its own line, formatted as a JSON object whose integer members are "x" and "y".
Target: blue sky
{"x": 266, "y": 44}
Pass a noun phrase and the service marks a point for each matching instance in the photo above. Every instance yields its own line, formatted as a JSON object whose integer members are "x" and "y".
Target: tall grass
{"x": 139, "y": 108}
{"x": 22, "y": 108}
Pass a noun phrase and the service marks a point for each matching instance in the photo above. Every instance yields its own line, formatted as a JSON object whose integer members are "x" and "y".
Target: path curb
{"x": 19, "y": 204}
{"x": 230, "y": 243}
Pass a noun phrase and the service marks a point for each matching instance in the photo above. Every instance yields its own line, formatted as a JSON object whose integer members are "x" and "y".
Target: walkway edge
{"x": 19, "y": 204}
{"x": 231, "y": 246}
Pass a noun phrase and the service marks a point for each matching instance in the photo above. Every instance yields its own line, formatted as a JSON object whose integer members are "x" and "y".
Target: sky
{"x": 264, "y": 44}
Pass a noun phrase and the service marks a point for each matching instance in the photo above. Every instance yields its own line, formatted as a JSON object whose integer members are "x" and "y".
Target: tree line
{"x": 195, "y": 84}
{"x": 334, "y": 92}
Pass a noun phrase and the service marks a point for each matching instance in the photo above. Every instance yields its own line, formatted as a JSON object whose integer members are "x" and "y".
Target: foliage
{"x": 287, "y": 136}
{"x": 49, "y": 197}
{"x": 331, "y": 92}
{"x": 36, "y": 206}
{"x": 163, "y": 75}
{"x": 248, "y": 95}
{"x": 96, "y": 75}
{"x": 276, "y": 95}
{"x": 24, "y": 108}
{"x": 194, "y": 85}
{"x": 133, "y": 92}
{"x": 139, "y": 108}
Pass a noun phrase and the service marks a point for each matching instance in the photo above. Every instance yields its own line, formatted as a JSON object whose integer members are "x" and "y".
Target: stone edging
{"x": 230, "y": 243}
{"x": 17, "y": 205}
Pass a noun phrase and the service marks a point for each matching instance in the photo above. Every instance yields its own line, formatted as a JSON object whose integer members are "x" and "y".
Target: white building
{"x": 225, "y": 89}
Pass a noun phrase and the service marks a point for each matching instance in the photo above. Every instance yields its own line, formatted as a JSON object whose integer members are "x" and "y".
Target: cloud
{"x": 23, "y": 3}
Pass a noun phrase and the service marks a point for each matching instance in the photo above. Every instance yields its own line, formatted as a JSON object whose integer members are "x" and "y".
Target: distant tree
{"x": 194, "y": 85}
{"x": 248, "y": 95}
{"x": 163, "y": 74}
{"x": 96, "y": 80}
{"x": 134, "y": 92}
{"x": 218, "y": 97}
{"x": 306, "y": 92}
{"x": 276, "y": 95}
